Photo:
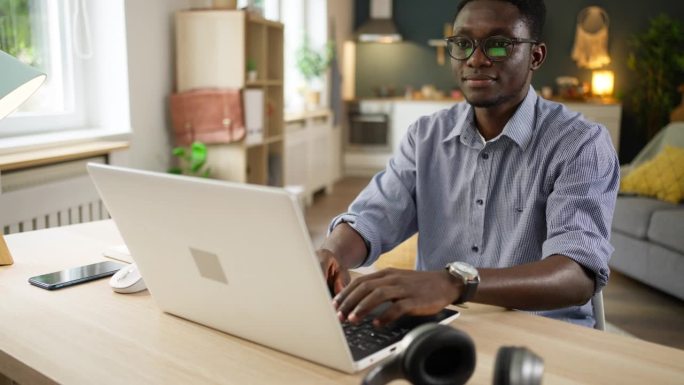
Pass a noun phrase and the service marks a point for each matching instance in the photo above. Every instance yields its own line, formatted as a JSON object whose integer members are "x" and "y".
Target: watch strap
{"x": 469, "y": 289}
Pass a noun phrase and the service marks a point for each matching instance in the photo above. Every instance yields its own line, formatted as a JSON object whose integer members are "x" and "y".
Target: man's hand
{"x": 410, "y": 292}
{"x": 336, "y": 275}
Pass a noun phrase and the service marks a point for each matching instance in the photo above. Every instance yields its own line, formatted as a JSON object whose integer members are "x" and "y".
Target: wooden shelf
{"x": 213, "y": 49}
{"x": 263, "y": 83}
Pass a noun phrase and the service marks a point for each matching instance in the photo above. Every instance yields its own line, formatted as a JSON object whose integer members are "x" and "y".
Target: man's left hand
{"x": 410, "y": 293}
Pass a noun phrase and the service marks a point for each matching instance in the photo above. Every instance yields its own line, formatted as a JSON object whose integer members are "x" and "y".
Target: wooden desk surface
{"x": 88, "y": 334}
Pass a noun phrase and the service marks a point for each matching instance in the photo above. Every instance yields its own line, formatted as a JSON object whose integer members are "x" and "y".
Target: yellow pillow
{"x": 661, "y": 177}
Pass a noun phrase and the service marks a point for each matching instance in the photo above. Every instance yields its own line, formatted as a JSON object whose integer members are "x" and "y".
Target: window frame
{"x": 73, "y": 114}
{"x": 104, "y": 81}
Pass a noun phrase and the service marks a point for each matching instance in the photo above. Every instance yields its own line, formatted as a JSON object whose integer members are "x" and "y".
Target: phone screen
{"x": 76, "y": 275}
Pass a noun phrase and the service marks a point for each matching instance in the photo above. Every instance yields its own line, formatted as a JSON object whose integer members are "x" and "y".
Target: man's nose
{"x": 478, "y": 58}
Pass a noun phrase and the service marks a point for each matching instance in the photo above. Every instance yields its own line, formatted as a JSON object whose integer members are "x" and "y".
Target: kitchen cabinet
{"x": 404, "y": 112}
{"x": 310, "y": 158}
{"x": 213, "y": 48}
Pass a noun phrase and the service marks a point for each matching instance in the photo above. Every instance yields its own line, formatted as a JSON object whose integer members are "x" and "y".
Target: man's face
{"x": 487, "y": 83}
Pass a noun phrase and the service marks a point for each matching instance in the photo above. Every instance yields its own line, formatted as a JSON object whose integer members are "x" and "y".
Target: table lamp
{"x": 18, "y": 82}
{"x": 602, "y": 83}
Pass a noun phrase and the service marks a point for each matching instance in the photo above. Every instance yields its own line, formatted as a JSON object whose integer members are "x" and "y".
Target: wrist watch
{"x": 470, "y": 277}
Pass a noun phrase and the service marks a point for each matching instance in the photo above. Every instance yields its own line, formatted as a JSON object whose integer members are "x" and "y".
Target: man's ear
{"x": 538, "y": 56}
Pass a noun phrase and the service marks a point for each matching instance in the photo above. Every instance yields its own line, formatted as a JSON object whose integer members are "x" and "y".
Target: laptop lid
{"x": 231, "y": 256}
{"x": 234, "y": 257}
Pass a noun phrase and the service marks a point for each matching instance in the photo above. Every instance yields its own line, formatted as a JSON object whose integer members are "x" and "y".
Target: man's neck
{"x": 490, "y": 121}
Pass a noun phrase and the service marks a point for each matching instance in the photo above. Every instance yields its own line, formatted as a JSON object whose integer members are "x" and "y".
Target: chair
{"x": 599, "y": 312}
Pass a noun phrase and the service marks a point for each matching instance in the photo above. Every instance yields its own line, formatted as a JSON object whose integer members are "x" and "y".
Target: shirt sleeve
{"x": 579, "y": 211}
{"x": 384, "y": 213}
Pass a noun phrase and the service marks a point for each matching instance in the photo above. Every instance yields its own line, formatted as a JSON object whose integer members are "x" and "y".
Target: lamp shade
{"x": 602, "y": 83}
{"x": 18, "y": 82}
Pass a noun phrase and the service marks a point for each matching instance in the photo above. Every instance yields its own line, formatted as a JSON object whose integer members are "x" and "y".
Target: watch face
{"x": 466, "y": 269}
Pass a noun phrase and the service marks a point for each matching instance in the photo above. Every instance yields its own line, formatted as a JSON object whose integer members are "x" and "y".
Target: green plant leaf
{"x": 656, "y": 57}
{"x": 312, "y": 64}
{"x": 178, "y": 151}
{"x": 199, "y": 156}
{"x": 175, "y": 170}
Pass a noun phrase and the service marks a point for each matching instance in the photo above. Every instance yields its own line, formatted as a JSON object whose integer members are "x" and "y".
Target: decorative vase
{"x": 313, "y": 99}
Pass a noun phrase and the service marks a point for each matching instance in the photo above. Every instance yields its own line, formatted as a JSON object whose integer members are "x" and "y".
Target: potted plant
{"x": 312, "y": 64}
{"x": 191, "y": 160}
{"x": 658, "y": 60}
{"x": 252, "y": 73}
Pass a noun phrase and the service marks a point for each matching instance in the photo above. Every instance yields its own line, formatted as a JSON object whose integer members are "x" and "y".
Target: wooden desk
{"x": 88, "y": 334}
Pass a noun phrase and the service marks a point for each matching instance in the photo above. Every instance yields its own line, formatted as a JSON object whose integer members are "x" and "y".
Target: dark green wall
{"x": 413, "y": 62}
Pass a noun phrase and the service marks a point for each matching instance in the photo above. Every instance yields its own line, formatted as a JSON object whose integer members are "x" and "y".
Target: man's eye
{"x": 499, "y": 43}
{"x": 462, "y": 44}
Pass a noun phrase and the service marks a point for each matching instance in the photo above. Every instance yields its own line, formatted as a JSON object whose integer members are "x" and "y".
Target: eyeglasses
{"x": 495, "y": 48}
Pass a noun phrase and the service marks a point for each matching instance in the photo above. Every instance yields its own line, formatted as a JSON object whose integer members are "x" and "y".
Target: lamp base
{"x": 5, "y": 256}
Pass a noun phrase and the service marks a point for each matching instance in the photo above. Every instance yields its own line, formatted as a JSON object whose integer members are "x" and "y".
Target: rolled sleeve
{"x": 580, "y": 208}
{"x": 384, "y": 214}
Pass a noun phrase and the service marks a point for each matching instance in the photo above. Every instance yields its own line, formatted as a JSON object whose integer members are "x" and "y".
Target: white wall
{"x": 151, "y": 74}
{"x": 341, "y": 16}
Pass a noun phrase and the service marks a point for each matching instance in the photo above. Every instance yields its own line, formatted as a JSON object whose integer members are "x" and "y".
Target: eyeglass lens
{"x": 493, "y": 47}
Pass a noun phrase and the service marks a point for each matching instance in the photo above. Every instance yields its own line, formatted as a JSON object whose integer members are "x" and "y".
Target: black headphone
{"x": 434, "y": 354}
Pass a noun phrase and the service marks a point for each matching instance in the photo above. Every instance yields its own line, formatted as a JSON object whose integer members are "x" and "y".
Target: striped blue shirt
{"x": 547, "y": 185}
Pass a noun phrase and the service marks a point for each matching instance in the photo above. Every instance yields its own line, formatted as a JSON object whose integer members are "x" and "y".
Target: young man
{"x": 512, "y": 193}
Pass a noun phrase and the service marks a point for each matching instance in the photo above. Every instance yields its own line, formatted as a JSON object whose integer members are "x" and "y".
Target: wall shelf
{"x": 213, "y": 49}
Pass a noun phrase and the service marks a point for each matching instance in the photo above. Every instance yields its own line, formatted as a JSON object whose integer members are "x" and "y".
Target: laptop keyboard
{"x": 365, "y": 339}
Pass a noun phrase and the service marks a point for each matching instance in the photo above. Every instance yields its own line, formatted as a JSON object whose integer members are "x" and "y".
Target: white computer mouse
{"x": 127, "y": 280}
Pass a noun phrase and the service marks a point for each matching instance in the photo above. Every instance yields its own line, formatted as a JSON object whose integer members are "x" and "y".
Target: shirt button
{"x": 485, "y": 156}
{"x": 479, "y": 202}
{"x": 475, "y": 249}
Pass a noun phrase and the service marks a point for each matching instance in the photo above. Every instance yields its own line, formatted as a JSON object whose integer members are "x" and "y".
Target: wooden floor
{"x": 643, "y": 312}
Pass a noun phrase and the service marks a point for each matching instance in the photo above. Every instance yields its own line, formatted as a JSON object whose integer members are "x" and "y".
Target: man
{"x": 511, "y": 186}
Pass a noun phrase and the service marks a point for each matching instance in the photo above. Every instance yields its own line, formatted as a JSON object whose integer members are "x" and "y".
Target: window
{"x": 37, "y": 32}
{"x": 81, "y": 46}
{"x": 302, "y": 19}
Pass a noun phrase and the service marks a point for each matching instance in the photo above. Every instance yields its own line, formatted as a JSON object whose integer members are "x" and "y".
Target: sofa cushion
{"x": 633, "y": 214}
{"x": 667, "y": 229}
{"x": 661, "y": 177}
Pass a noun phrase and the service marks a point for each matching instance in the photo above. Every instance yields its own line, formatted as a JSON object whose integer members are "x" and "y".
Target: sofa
{"x": 647, "y": 233}
{"x": 648, "y": 236}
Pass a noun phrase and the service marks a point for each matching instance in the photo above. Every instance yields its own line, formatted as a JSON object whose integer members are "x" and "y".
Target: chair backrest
{"x": 599, "y": 312}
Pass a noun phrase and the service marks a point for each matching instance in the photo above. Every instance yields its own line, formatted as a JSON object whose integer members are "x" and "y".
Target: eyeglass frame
{"x": 478, "y": 43}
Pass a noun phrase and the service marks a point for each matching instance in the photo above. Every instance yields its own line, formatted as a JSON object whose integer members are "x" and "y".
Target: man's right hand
{"x": 336, "y": 275}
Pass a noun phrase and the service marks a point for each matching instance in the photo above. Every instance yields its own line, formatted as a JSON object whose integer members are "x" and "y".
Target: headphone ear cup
{"x": 517, "y": 366}
{"x": 502, "y": 367}
{"x": 439, "y": 355}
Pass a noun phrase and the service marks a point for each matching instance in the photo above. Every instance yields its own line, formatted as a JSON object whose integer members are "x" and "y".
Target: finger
{"x": 351, "y": 285}
{"x": 337, "y": 286}
{"x": 399, "y": 308}
{"x": 383, "y": 294}
{"x": 359, "y": 293}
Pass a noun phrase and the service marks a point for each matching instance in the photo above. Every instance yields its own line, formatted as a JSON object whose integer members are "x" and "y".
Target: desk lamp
{"x": 18, "y": 82}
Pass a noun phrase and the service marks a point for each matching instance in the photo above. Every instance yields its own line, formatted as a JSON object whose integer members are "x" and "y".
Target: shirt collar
{"x": 519, "y": 127}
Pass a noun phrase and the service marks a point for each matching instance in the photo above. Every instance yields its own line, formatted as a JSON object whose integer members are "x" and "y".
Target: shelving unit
{"x": 212, "y": 51}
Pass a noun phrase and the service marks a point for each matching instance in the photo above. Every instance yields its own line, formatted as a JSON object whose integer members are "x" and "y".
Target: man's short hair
{"x": 533, "y": 13}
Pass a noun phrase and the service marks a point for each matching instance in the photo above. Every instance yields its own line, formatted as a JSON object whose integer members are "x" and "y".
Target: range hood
{"x": 379, "y": 28}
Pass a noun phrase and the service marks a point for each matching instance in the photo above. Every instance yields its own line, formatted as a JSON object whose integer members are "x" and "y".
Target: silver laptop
{"x": 234, "y": 257}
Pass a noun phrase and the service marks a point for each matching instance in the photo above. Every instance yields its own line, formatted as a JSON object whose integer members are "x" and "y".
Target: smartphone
{"x": 69, "y": 277}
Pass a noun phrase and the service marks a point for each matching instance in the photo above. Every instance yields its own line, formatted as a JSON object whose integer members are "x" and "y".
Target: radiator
{"x": 49, "y": 196}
